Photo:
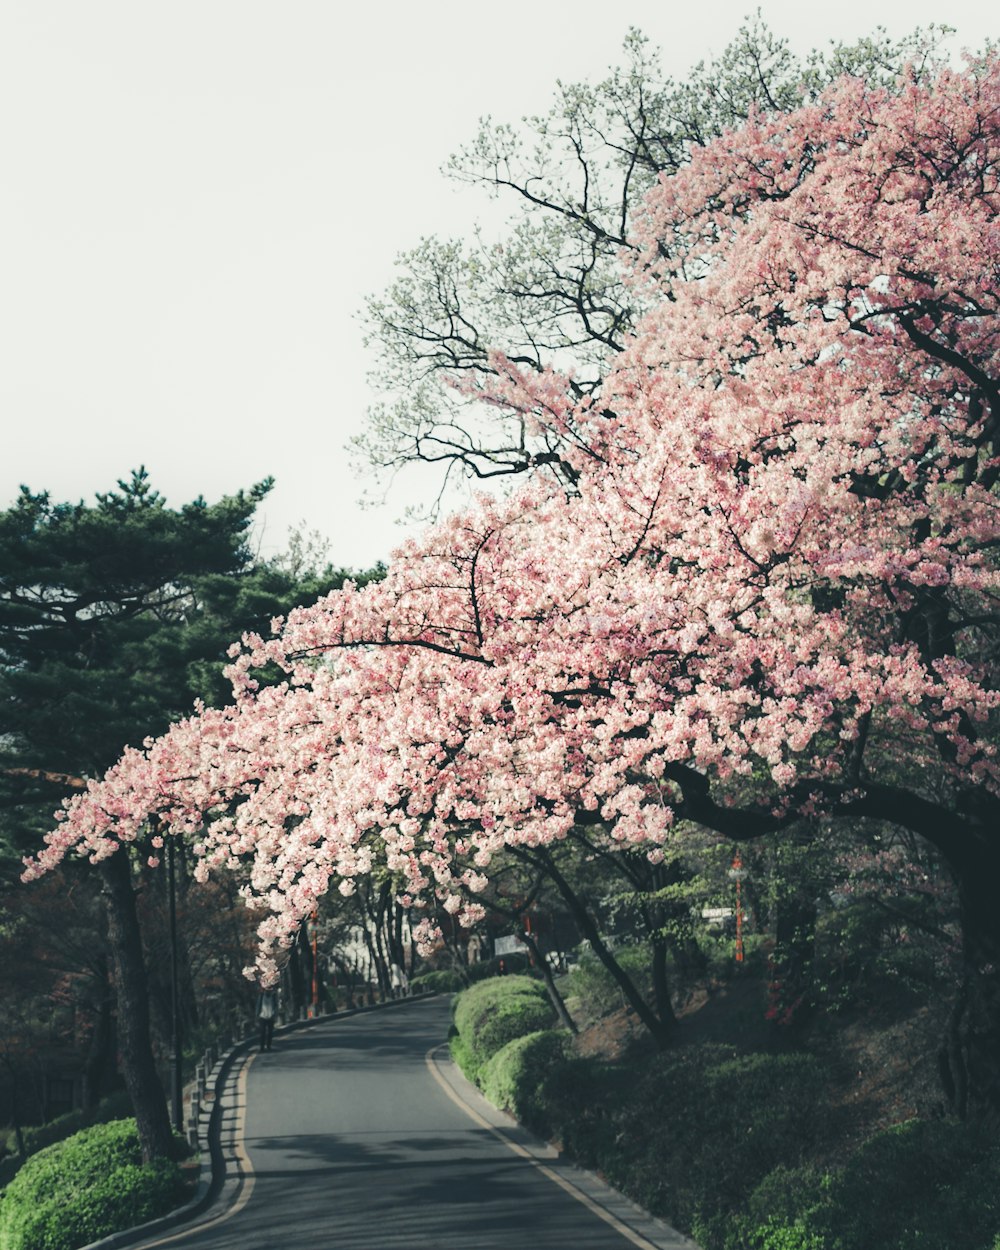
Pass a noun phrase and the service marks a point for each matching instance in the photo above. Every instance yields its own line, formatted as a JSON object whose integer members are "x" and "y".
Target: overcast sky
{"x": 199, "y": 194}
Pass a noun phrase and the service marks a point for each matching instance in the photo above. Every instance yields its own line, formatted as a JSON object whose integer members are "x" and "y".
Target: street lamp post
{"x": 737, "y": 873}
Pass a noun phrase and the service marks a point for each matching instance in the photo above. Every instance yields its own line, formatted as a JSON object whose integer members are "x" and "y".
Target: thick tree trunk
{"x": 970, "y": 1056}
{"x": 139, "y": 1068}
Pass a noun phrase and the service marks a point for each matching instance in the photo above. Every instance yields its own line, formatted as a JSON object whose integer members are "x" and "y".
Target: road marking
{"x": 635, "y": 1238}
{"x": 246, "y": 1171}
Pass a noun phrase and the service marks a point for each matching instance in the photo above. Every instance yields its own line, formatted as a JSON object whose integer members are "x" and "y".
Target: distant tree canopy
{"x": 114, "y": 618}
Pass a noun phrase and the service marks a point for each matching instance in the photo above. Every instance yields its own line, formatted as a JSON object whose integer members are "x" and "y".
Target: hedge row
{"x": 489, "y": 1015}
{"x": 81, "y": 1189}
{"x": 921, "y": 1185}
{"x": 722, "y": 1144}
{"x": 115, "y": 1107}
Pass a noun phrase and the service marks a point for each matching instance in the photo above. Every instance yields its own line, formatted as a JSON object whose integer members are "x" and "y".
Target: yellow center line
{"x": 629, "y": 1234}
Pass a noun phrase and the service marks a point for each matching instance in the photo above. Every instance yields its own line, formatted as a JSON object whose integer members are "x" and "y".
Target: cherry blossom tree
{"x": 773, "y": 599}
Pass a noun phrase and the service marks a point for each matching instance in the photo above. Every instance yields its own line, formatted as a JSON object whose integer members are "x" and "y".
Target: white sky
{"x": 197, "y": 196}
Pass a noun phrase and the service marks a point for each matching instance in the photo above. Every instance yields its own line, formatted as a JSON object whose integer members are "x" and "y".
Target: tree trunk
{"x": 557, "y": 1000}
{"x": 791, "y": 971}
{"x": 139, "y": 1068}
{"x": 659, "y": 1030}
{"x": 969, "y": 1059}
{"x": 296, "y": 981}
{"x": 661, "y": 984}
{"x": 15, "y": 1112}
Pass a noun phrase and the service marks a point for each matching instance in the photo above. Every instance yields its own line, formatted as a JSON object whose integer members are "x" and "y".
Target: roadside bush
{"x": 443, "y": 981}
{"x": 698, "y": 1129}
{"x": 115, "y": 1107}
{"x": 921, "y": 1185}
{"x": 489, "y": 1015}
{"x": 83, "y": 1188}
{"x": 514, "y": 1078}
{"x": 461, "y": 1052}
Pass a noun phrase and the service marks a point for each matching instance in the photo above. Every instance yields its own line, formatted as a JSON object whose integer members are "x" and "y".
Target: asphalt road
{"x": 358, "y": 1139}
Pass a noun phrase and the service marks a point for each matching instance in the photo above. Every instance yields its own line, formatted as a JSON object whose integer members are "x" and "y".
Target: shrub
{"x": 489, "y": 1015}
{"x": 921, "y": 1185}
{"x": 462, "y": 1054}
{"x": 442, "y": 981}
{"x": 84, "y": 1188}
{"x": 700, "y": 1128}
{"x": 916, "y": 1186}
{"x": 515, "y": 963}
{"x": 514, "y": 1079}
{"x": 115, "y": 1107}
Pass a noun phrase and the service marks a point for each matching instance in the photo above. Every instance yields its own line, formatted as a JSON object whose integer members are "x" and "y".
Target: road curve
{"x": 359, "y": 1134}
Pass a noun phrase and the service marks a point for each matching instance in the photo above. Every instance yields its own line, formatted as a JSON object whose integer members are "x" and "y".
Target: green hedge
{"x": 83, "y": 1188}
{"x": 489, "y": 1015}
{"x": 515, "y": 1078}
{"x": 116, "y": 1106}
{"x": 921, "y": 1185}
{"x": 443, "y": 981}
{"x": 723, "y": 1144}
{"x": 688, "y": 1133}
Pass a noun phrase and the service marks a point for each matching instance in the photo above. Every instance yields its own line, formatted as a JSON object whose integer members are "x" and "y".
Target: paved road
{"x": 357, "y": 1139}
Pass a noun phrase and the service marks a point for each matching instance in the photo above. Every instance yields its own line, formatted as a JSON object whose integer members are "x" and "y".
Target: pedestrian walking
{"x": 267, "y": 1010}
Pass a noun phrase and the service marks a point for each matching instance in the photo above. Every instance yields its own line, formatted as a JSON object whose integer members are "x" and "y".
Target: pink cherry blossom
{"x": 774, "y": 580}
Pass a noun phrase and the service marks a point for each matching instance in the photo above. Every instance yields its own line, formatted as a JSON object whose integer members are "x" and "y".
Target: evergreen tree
{"x": 114, "y": 618}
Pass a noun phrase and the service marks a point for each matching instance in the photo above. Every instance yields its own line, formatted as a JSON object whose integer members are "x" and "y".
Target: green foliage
{"x": 487, "y": 968}
{"x": 921, "y": 1185}
{"x": 687, "y": 1133}
{"x": 901, "y": 938}
{"x": 441, "y": 981}
{"x": 514, "y": 1079}
{"x": 83, "y": 1188}
{"x": 720, "y": 1145}
{"x": 461, "y": 1052}
{"x": 713, "y": 1124}
{"x": 492, "y": 1013}
{"x": 115, "y": 1107}
{"x": 598, "y": 991}
{"x": 114, "y": 617}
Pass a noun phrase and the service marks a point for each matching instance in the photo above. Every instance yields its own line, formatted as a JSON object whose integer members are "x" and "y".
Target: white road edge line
{"x": 635, "y": 1238}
